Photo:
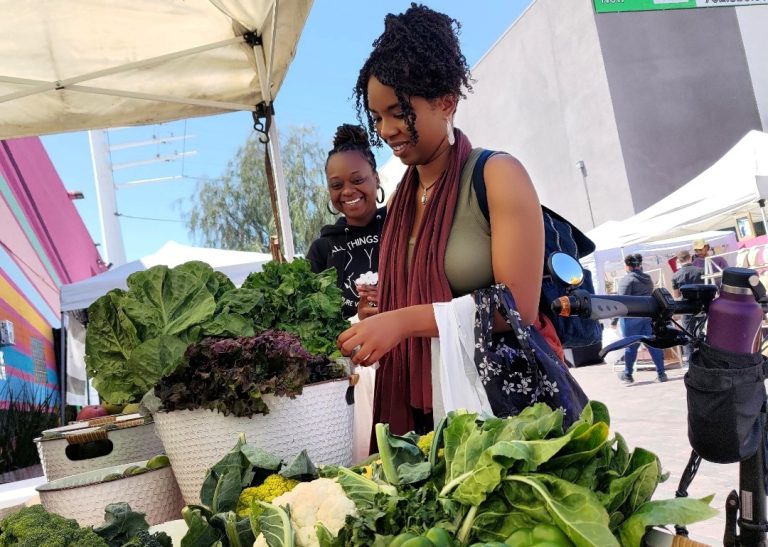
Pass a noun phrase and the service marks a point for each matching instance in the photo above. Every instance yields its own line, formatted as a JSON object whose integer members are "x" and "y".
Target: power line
{"x": 123, "y": 215}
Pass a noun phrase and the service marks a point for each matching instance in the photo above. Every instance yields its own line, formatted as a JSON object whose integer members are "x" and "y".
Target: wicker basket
{"x": 319, "y": 420}
{"x": 83, "y": 497}
{"x": 133, "y": 438}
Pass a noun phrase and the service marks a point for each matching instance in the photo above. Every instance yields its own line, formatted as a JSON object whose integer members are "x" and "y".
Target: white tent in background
{"x": 77, "y": 296}
{"x": 712, "y": 200}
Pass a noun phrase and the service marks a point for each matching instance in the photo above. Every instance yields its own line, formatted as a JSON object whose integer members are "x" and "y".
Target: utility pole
{"x": 112, "y": 237}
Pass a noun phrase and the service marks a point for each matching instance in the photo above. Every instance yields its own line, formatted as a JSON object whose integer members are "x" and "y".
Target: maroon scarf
{"x": 404, "y": 380}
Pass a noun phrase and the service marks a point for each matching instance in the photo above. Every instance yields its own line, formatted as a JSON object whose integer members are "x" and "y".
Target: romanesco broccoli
{"x": 425, "y": 442}
{"x": 273, "y": 486}
{"x": 36, "y": 527}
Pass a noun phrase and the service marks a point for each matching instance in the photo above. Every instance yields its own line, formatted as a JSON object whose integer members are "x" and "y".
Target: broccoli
{"x": 273, "y": 486}
{"x": 36, "y": 527}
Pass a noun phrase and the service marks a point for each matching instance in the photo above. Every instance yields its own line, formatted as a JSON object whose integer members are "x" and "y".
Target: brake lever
{"x": 676, "y": 339}
{"x": 623, "y": 343}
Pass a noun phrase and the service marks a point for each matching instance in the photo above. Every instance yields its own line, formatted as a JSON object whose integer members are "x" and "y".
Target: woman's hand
{"x": 365, "y": 342}
{"x": 368, "y": 302}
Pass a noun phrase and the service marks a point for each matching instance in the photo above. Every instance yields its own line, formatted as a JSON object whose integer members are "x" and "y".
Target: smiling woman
{"x": 436, "y": 244}
{"x": 351, "y": 245}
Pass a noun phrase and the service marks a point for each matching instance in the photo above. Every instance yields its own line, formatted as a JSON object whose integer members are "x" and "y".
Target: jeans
{"x": 639, "y": 325}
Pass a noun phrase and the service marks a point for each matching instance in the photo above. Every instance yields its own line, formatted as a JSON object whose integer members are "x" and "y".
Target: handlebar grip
{"x": 582, "y": 304}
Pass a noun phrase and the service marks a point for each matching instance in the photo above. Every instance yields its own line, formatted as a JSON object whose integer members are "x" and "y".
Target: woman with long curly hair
{"x": 436, "y": 243}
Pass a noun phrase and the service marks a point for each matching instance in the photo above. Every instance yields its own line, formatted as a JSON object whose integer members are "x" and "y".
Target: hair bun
{"x": 348, "y": 134}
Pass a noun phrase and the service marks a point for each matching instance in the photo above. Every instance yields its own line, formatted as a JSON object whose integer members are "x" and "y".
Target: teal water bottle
{"x": 735, "y": 317}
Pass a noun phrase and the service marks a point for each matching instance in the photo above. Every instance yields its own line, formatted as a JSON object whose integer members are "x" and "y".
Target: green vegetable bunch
{"x": 123, "y": 527}
{"x": 231, "y": 375}
{"x": 34, "y": 527}
{"x": 242, "y": 476}
{"x": 522, "y": 480}
{"x": 136, "y": 337}
{"x": 294, "y": 299}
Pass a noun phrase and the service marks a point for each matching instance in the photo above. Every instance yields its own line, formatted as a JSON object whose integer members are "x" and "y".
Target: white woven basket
{"x": 319, "y": 420}
{"x": 130, "y": 444}
{"x": 83, "y": 497}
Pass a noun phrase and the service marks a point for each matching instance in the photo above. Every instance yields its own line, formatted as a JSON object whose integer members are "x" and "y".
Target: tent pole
{"x": 286, "y": 234}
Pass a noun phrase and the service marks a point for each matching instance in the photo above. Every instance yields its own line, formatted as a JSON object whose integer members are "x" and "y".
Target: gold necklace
{"x": 425, "y": 188}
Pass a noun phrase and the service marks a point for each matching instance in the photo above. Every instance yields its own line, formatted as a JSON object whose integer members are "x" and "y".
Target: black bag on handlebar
{"x": 725, "y": 392}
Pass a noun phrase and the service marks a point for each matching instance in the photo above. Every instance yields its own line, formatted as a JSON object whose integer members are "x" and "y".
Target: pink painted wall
{"x": 40, "y": 193}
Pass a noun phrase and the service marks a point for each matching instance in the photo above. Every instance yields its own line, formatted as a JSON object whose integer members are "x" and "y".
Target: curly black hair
{"x": 418, "y": 55}
{"x": 352, "y": 137}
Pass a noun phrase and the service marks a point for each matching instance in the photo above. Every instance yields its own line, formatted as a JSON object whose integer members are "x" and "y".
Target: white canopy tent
{"x": 712, "y": 200}
{"x": 88, "y": 64}
{"x": 77, "y": 296}
{"x": 234, "y": 264}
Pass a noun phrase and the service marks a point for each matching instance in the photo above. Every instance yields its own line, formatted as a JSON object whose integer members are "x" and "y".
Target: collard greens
{"x": 138, "y": 336}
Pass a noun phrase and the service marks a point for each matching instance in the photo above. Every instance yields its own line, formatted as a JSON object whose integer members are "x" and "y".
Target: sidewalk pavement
{"x": 653, "y": 416}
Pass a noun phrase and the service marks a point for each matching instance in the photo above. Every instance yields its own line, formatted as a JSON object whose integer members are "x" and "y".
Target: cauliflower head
{"x": 273, "y": 486}
{"x": 321, "y": 500}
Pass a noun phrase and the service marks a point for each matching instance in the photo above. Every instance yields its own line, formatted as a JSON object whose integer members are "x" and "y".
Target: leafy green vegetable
{"x": 301, "y": 468}
{"x": 199, "y": 531}
{"x": 120, "y": 524}
{"x": 290, "y": 297}
{"x": 401, "y": 459}
{"x": 361, "y": 490}
{"x": 136, "y": 337}
{"x": 275, "y": 524}
{"x": 233, "y": 472}
{"x": 574, "y": 509}
{"x": 231, "y": 375}
{"x": 681, "y": 511}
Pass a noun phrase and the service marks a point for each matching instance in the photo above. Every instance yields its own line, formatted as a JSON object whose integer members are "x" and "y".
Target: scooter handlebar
{"x": 603, "y": 306}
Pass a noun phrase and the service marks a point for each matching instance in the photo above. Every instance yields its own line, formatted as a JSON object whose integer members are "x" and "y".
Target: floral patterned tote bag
{"x": 518, "y": 368}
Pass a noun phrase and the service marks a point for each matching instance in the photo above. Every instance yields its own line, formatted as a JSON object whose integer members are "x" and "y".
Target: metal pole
{"x": 112, "y": 237}
{"x": 282, "y": 192}
{"x": 583, "y": 169}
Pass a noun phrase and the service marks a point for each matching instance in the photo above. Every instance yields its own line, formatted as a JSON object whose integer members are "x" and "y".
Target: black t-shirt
{"x": 688, "y": 274}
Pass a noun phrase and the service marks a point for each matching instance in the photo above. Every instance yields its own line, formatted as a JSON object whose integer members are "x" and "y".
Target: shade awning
{"x": 87, "y": 64}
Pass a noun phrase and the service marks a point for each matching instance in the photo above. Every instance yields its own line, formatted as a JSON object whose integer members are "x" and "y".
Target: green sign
{"x": 613, "y": 6}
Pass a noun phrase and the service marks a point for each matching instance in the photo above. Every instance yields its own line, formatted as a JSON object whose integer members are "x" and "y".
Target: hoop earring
{"x": 449, "y": 131}
{"x": 331, "y": 210}
{"x": 379, "y": 199}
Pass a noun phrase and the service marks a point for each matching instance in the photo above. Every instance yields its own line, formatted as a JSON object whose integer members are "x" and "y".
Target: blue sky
{"x": 316, "y": 92}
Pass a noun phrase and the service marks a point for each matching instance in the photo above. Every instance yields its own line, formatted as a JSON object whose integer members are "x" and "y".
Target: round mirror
{"x": 566, "y": 269}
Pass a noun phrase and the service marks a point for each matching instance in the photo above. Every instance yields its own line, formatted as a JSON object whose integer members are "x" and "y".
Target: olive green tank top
{"x": 468, "y": 251}
{"x": 468, "y": 264}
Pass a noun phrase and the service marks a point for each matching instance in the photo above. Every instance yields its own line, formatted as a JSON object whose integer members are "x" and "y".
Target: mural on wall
{"x": 43, "y": 245}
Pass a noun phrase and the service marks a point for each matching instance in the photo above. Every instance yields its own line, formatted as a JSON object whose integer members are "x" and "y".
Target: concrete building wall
{"x": 681, "y": 92}
{"x": 753, "y": 22}
{"x": 542, "y": 95}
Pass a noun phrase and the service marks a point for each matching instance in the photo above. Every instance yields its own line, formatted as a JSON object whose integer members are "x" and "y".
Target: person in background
{"x": 637, "y": 283}
{"x": 686, "y": 274}
{"x": 701, "y": 249}
{"x": 351, "y": 245}
{"x": 436, "y": 244}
